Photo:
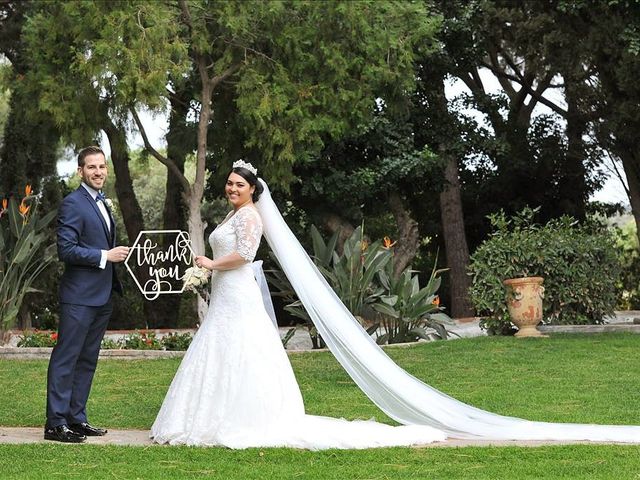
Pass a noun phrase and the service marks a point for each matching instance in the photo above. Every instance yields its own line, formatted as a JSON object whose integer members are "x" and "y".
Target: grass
{"x": 566, "y": 378}
{"x": 88, "y": 461}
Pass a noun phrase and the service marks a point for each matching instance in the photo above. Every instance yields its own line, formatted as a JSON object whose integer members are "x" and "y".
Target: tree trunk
{"x": 193, "y": 198}
{"x": 335, "y": 223}
{"x": 173, "y": 214}
{"x": 155, "y": 314}
{"x": 180, "y": 143}
{"x": 408, "y": 235}
{"x": 196, "y": 233}
{"x": 455, "y": 241}
{"x": 25, "y": 319}
{"x": 572, "y": 186}
{"x": 127, "y": 201}
{"x": 632, "y": 171}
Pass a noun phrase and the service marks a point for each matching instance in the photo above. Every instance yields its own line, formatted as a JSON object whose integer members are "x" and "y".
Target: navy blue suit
{"x": 85, "y": 306}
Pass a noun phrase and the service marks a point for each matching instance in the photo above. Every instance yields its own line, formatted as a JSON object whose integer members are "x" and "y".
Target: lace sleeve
{"x": 248, "y": 228}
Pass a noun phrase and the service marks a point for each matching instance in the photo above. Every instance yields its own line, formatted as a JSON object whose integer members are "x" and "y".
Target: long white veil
{"x": 400, "y": 395}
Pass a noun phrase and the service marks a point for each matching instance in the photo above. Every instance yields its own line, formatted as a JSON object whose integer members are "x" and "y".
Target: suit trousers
{"x": 73, "y": 361}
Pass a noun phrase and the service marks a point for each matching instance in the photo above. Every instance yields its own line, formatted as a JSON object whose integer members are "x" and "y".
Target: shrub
{"x": 407, "y": 310}
{"x": 25, "y": 252}
{"x": 176, "y": 341}
{"x": 350, "y": 273}
{"x": 628, "y": 285}
{"x": 578, "y": 263}
{"x": 134, "y": 341}
{"x": 141, "y": 341}
{"x": 362, "y": 277}
{"x": 109, "y": 344}
{"x": 36, "y": 338}
{"x": 44, "y": 319}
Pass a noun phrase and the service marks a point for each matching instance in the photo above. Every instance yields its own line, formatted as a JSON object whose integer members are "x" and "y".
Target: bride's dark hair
{"x": 252, "y": 179}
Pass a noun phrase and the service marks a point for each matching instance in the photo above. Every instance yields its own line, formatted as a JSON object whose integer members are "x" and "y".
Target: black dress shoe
{"x": 88, "y": 430}
{"x": 62, "y": 433}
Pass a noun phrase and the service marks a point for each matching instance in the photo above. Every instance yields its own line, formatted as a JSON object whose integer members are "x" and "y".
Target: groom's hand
{"x": 117, "y": 254}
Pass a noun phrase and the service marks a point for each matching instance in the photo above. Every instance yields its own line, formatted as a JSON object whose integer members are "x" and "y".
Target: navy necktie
{"x": 101, "y": 196}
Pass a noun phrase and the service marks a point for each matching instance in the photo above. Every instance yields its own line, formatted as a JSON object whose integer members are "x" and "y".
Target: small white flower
{"x": 110, "y": 205}
{"x": 195, "y": 277}
{"x": 198, "y": 274}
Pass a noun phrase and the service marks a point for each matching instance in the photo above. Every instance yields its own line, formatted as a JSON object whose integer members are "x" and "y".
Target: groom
{"x": 86, "y": 244}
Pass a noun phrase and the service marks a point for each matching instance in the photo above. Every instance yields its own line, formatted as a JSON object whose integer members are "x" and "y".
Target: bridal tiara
{"x": 243, "y": 164}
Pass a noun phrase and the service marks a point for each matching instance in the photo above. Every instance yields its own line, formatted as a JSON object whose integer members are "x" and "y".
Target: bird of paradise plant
{"x": 408, "y": 310}
{"x": 362, "y": 277}
{"x": 25, "y": 252}
{"x": 387, "y": 243}
{"x": 351, "y": 274}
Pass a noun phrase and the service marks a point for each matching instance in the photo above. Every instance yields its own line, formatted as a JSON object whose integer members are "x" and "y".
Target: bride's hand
{"x": 204, "y": 262}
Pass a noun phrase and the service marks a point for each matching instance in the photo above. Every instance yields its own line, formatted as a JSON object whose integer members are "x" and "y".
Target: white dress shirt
{"x": 103, "y": 210}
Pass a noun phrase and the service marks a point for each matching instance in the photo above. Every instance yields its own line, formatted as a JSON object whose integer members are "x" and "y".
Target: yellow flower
{"x": 4, "y": 203}
{"x": 27, "y": 191}
{"x": 387, "y": 243}
{"x": 436, "y": 301}
{"x": 364, "y": 245}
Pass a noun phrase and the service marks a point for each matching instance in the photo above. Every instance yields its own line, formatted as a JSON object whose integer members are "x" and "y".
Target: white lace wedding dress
{"x": 235, "y": 386}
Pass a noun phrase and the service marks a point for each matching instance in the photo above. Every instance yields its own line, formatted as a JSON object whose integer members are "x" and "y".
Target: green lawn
{"x": 569, "y": 378}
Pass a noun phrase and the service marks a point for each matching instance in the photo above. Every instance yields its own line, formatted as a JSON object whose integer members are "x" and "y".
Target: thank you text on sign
{"x": 157, "y": 261}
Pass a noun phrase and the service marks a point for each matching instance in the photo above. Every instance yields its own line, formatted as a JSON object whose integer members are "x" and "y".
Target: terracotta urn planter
{"x": 524, "y": 301}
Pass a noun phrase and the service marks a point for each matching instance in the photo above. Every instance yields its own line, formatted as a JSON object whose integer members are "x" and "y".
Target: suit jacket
{"x": 82, "y": 234}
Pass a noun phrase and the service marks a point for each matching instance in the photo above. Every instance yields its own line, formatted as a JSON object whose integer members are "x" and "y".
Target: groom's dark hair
{"x": 252, "y": 179}
{"x": 86, "y": 151}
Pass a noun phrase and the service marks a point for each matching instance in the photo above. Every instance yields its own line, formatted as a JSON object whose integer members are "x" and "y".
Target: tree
{"x": 297, "y": 73}
{"x": 534, "y": 160}
{"x": 613, "y": 42}
{"x": 27, "y": 155}
{"x": 75, "y": 81}
{"x": 594, "y": 47}
{"x": 402, "y": 159}
{"x": 372, "y": 176}
{"x": 438, "y": 126}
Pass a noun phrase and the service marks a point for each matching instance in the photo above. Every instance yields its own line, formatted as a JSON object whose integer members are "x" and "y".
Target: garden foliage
{"x": 361, "y": 275}
{"x": 629, "y": 253}
{"x": 37, "y": 338}
{"x": 24, "y": 253}
{"x": 138, "y": 340}
{"x": 577, "y": 261}
{"x": 406, "y": 309}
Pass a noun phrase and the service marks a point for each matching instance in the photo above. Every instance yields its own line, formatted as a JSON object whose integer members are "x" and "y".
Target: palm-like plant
{"x": 362, "y": 277}
{"x": 351, "y": 275}
{"x": 23, "y": 253}
{"x": 407, "y": 310}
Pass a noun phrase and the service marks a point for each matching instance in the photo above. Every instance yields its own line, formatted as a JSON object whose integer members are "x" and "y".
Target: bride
{"x": 235, "y": 386}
